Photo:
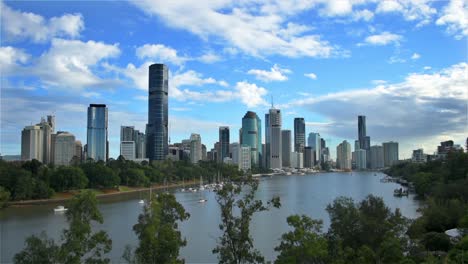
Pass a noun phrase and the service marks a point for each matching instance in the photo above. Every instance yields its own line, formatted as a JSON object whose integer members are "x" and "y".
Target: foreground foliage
{"x": 238, "y": 205}
{"x": 157, "y": 231}
{"x": 79, "y": 243}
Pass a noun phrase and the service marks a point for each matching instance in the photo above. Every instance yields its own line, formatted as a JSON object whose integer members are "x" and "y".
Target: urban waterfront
{"x": 308, "y": 194}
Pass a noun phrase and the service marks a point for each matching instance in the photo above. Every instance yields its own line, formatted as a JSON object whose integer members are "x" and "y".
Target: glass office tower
{"x": 157, "y": 127}
{"x": 97, "y": 132}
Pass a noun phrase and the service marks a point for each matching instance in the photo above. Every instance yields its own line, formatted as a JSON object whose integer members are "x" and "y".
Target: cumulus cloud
{"x": 274, "y": 74}
{"x": 311, "y": 75}
{"x": 420, "y": 110}
{"x": 18, "y": 25}
{"x": 209, "y": 57}
{"x": 382, "y": 39}
{"x": 12, "y": 60}
{"x": 69, "y": 64}
{"x": 420, "y": 10}
{"x": 455, "y": 17}
{"x": 247, "y": 26}
{"x": 161, "y": 53}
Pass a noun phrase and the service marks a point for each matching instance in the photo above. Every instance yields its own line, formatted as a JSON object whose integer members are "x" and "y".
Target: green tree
{"x": 157, "y": 231}
{"x": 24, "y": 187}
{"x": 304, "y": 244}
{"x": 39, "y": 249}
{"x": 434, "y": 241}
{"x": 79, "y": 243}
{"x": 134, "y": 177}
{"x": 4, "y": 197}
{"x": 236, "y": 244}
{"x": 68, "y": 178}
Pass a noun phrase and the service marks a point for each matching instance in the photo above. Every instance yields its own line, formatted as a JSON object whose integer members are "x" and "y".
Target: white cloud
{"x": 364, "y": 14}
{"x": 251, "y": 94}
{"x": 426, "y": 68}
{"x": 19, "y": 25}
{"x": 311, "y": 75}
{"x": 247, "y": 26}
{"x": 11, "y": 60}
{"x": 416, "y": 10}
{"x": 382, "y": 39}
{"x": 193, "y": 78}
{"x": 161, "y": 53}
{"x": 455, "y": 17}
{"x": 274, "y": 74}
{"x": 415, "y": 56}
{"x": 209, "y": 57}
{"x": 70, "y": 63}
{"x": 396, "y": 59}
{"x": 416, "y": 111}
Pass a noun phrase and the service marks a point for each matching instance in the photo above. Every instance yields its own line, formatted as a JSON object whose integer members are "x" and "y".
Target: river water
{"x": 309, "y": 194}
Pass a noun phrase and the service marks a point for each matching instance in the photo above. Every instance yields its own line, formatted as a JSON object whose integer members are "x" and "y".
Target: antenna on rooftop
{"x": 272, "y": 105}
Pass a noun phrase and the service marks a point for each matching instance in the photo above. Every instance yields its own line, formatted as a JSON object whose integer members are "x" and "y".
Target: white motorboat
{"x": 141, "y": 202}
{"x": 60, "y": 208}
{"x": 202, "y": 200}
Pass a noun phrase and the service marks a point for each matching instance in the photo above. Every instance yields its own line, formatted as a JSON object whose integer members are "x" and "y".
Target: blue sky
{"x": 403, "y": 64}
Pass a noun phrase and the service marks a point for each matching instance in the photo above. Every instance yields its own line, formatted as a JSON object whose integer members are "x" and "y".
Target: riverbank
{"x": 123, "y": 190}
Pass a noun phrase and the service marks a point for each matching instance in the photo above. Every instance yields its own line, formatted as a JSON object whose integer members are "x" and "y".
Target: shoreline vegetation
{"x": 100, "y": 194}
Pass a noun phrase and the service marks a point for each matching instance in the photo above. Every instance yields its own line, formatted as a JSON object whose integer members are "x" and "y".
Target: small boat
{"x": 141, "y": 202}
{"x": 202, "y": 200}
{"x": 60, "y": 208}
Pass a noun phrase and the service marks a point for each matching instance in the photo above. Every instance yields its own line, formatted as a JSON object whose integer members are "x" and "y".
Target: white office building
{"x": 127, "y": 150}
{"x": 195, "y": 148}
{"x": 64, "y": 148}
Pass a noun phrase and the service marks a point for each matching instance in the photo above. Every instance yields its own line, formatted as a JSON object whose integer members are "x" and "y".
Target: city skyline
{"x": 215, "y": 79}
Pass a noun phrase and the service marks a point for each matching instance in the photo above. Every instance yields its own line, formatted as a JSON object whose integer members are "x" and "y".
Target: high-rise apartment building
{"x": 390, "y": 151}
{"x": 309, "y": 157}
{"x": 273, "y": 139}
{"x": 78, "y": 151}
{"x": 195, "y": 148}
{"x": 361, "y": 162}
{"x": 157, "y": 127}
{"x": 32, "y": 142}
{"x": 97, "y": 139}
{"x": 65, "y": 148}
{"x": 127, "y": 150}
{"x": 364, "y": 140}
{"x": 299, "y": 134}
{"x": 127, "y": 133}
{"x": 297, "y": 160}
{"x": 252, "y": 136}
{"x": 224, "y": 143}
{"x": 286, "y": 148}
{"x": 343, "y": 156}
{"x": 377, "y": 157}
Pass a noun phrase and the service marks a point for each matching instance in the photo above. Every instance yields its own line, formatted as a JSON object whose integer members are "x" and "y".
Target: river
{"x": 308, "y": 194}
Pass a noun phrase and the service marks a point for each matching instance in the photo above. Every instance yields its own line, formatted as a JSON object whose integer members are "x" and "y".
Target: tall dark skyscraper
{"x": 361, "y": 131}
{"x": 299, "y": 134}
{"x": 157, "y": 127}
{"x": 364, "y": 140}
{"x": 97, "y": 140}
{"x": 224, "y": 143}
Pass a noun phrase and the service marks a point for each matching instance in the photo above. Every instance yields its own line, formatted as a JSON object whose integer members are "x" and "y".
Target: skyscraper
{"x": 252, "y": 136}
{"x": 315, "y": 142}
{"x": 32, "y": 139}
{"x": 343, "y": 156}
{"x": 390, "y": 153}
{"x": 195, "y": 148}
{"x": 299, "y": 134}
{"x": 273, "y": 139}
{"x": 377, "y": 157}
{"x": 286, "y": 148}
{"x": 361, "y": 159}
{"x": 97, "y": 143}
{"x": 224, "y": 143}
{"x": 157, "y": 127}
{"x": 309, "y": 157}
{"x": 78, "y": 151}
{"x": 364, "y": 140}
{"x": 65, "y": 148}
{"x": 127, "y": 133}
